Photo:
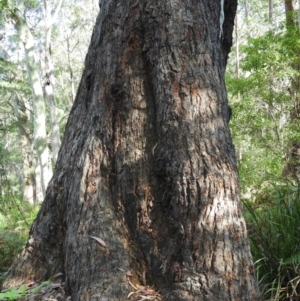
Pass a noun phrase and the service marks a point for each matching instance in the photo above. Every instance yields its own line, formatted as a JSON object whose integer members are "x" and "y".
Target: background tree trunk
{"x": 292, "y": 166}
{"x": 49, "y": 78}
{"x": 147, "y": 163}
{"x": 271, "y": 11}
{"x": 44, "y": 168}
{"x": 290, "y": 14}
{"x": 28, "y": 155}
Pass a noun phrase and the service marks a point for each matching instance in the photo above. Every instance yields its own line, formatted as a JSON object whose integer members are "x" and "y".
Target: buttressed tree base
{"x": 146, "y": 179}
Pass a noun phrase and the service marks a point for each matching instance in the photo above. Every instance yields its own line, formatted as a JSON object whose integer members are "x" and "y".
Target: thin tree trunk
{"x": 290, "y": 13}
{"x": 147, "y": 164}
{"x": 271, "y": 11}
{"x": 40, "y": 135}
{"x": 28, "y": 158}
{"x": 70, "y": 67}
{"x": 299, "y": 15}
{"x": 237, "y": 54}
{"x": 292, "y": 166}
{"x": 246, "y": 9}
{"x": 49, "y": 84}
{"x": 49, "y": 79}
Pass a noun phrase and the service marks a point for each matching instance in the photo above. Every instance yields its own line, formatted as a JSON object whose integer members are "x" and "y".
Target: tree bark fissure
{"x": 147, "y": 163}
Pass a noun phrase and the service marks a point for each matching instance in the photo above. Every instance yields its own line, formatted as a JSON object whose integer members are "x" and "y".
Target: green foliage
{"x": 35, "y": 290}
{"x": 14, "y": 294}
{"x": 15, "y": 220}
{"x": 262, "y": 101}
{"x": 263, "y": 88}
{"x": 12, "y": 78}
{"x": 274, "y": 225}
{"x": 23, "y": 290}
{"x": 262, "y": 98}
{"x": 293, "y": 260}
{"x": 4, "y": 4}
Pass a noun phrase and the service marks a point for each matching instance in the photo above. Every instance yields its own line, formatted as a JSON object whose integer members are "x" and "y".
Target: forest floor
{"x": 50, "y": 291}
{"x": 54, "y": 291}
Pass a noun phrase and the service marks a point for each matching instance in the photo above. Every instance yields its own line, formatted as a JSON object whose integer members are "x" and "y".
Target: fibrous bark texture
{"x": 147, "y": 164}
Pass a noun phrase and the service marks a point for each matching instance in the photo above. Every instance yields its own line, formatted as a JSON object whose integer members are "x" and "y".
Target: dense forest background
{"x": 42, "y": 52}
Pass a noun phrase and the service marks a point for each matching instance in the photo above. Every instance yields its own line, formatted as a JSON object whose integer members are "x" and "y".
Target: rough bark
{"x": 147, "y": 163}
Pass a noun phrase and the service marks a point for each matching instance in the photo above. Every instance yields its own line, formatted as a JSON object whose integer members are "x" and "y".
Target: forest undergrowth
{"x": 16, "y": 218}
{"x": 273, "y": 220}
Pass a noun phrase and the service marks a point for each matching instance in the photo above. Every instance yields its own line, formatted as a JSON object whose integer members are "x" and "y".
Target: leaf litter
{"x": 54, "y": 291}
{"x": 141, "y": 292}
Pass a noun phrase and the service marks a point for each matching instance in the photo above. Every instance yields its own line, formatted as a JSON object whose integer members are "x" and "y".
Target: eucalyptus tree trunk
{"x": 44, "y": 169}
{"x": 70, "y": 67}
{"x": 147, "y": 165}
{"x": 28, "y": 158}
{"x": 49, "y": 78}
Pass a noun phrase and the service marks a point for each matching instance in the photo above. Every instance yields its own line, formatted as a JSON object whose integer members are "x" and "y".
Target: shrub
{"x": 274, "y": 228}
{"x": 16, "y": 218}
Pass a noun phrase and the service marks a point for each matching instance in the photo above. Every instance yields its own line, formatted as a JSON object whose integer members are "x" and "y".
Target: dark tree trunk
{"x": 147, "y": 163}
